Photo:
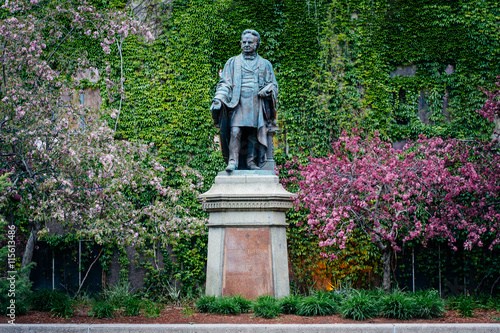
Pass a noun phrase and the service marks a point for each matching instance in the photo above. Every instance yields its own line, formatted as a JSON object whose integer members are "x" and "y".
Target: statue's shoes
{"x": 231, "y": 167}
{"x": 253, "y": 166}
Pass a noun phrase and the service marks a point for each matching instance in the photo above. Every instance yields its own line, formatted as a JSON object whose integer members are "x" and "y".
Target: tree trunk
{"x": 386, "y": 264}
{"x": 30, "y": 247}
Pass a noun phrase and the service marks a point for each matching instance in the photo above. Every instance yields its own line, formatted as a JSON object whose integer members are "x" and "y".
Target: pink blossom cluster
{"x": 435, "y": 188}
{"x": 491, "y": 109}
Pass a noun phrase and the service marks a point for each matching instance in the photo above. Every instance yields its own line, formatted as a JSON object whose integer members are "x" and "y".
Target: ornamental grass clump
{"x": 117, "y": 294}
{"x": 428, "y": 304}
{"x": 223, "y": 305}
{"x": 290, "y": 304}
{"x": 62, "y": 307}
{"x": 58, "y": 303}
{"x": 493, "y": 303}
{"x": 267, "y": 307}
{"x": 226, "y": 305}
{"x": 42, "y": 300}
{"x": 152, "y": 309}
{"x": 244, "y": 304}
{"x": 318, "y": 304}
{"x": 102, "y": 309}
{"x": 397, "y": 305}
{"x": 464, "y": 305}
{"x": 205, "y": 304}
{"x": 359, "y": 305}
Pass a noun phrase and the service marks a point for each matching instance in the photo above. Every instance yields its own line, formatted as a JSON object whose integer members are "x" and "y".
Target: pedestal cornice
{"x": 246, "y": 191}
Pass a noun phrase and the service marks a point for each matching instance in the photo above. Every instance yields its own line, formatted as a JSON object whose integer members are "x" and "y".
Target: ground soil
{"x": 181, "y": 315}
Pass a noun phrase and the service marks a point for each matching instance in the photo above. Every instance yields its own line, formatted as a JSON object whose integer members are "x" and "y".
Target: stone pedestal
{"x": 247, "y": 251}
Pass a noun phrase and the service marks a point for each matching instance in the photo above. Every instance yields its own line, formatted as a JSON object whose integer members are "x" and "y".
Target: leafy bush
{"x": 42, "y": 300}
{"x": 132, "y": 306}
{"x": 494, "y": 303}
{"x": 318, "y": 304}
{"x": 102, "y": 309}
{"x": 22, "y": 290}
{"x": 359, "y": 305}
{"x": 487, "y": 302}
{"x": 62, "y": 306}
{"x": 397, "y": 305}
{"x": 118, "y": 293}
{"x": 267, "y": 307}
{"x": 428, "y": 304}
{"x": 290, "y": 304}
{"x": 153, "y": 309}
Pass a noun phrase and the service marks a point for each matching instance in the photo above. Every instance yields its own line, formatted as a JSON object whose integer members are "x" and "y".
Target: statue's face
{"x": 249, "y": 43}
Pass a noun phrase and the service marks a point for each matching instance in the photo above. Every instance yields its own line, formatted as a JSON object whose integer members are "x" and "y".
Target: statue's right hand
{"x": 216, "y": 105}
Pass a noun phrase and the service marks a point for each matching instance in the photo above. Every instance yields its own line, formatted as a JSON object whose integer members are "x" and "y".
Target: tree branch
{"x": 88, "y": 270}
{"x": 121, "y": 79}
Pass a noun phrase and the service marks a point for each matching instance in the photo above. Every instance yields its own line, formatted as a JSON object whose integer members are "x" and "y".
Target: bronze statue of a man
{"x": 244, "y": 106}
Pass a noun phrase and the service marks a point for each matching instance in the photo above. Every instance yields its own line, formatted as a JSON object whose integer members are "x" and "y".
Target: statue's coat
{"x": 238, "y": 109}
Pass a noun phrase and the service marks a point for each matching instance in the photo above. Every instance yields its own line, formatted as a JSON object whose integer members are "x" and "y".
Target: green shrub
{"x": 244, "y": 304}
{"x": 84, "y": 299}
{"x": 494, "y": 303}
{"x": 428, "y": 304}
{"x": 42, "y": 300}
{"x": 267, "y": 307}
{"x": 132, "y": 306}
{"x": 22, "y": 291}
{"x": 117, "y": 294}
{"x": 334, "y": 296}
{"x": 290, "y": 304}
{"x": 481, "y": 301}
{"x": 10, "y": 283}
{"x": 205, "y": 304}
{"x": 226, "y": 305}
{"x": 223, "y": 305}
{"x": 102, "y": 309}
{"x": 318, "y": 304}
{"x": 465, "y": 306}
{"x": 397, "y": 305}
{"x": 359, "y": 305}
{"x": 62, "y": 306}
{"x": 487, "y": 302}
{"x": 153, "y": 309}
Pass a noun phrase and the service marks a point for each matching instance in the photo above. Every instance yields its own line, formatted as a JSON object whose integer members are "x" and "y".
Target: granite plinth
{"x": 247, "y": 251}
{"x": 241, "y": 246}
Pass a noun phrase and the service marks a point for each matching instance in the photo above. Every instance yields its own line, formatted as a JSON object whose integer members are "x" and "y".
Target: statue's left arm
{"x": 269, "y": 91}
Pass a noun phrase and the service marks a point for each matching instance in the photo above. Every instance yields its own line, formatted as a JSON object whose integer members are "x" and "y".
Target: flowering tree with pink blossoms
{"x": 491, "y": 108}
{"x": 63, "y": 162}
{"x": 435, "y": 188}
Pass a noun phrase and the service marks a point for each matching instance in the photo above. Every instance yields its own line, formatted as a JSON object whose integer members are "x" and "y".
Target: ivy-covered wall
{"x": 402, "y": 68}
{"x": 399, "y": 67}
{"x": 406, "y": 68}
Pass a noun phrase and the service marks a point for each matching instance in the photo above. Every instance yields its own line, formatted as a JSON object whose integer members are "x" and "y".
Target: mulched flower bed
{"x": 179, "y": 315}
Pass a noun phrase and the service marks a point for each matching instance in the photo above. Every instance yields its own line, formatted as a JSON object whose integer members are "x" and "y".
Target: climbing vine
{"x": 402, "y": 68}
{"x": 410, "y": 68}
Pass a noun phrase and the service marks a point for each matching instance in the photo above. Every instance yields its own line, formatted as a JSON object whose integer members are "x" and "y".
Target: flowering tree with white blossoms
{"x": 63, "y": 161}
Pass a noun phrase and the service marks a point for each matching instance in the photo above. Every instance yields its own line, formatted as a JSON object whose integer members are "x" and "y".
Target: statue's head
{"x": 250, "y": 41}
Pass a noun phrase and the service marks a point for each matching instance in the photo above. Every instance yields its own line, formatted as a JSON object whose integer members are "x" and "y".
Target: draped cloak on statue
{"x": 238, "y": 90}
